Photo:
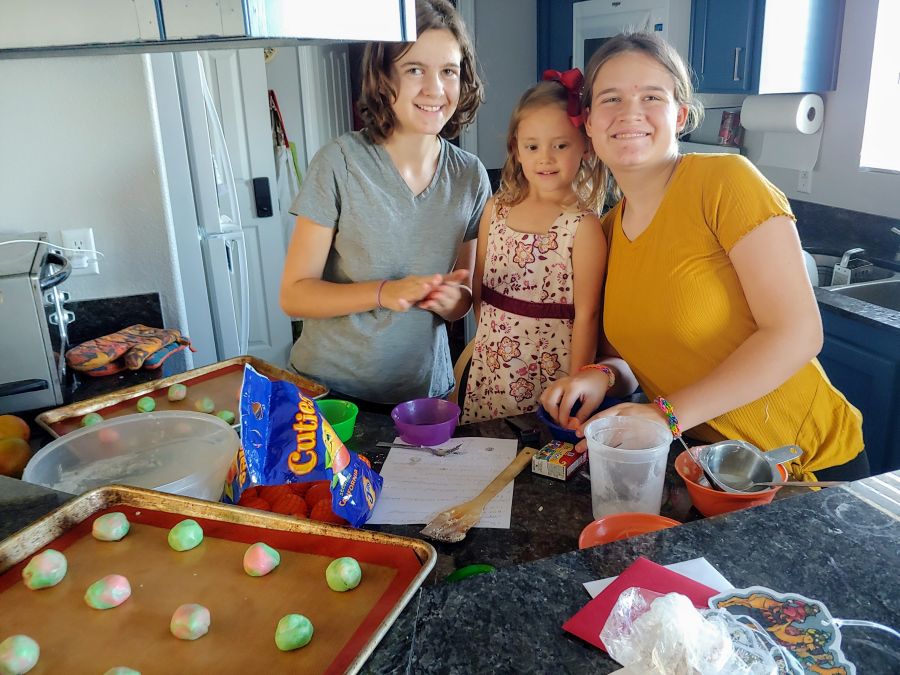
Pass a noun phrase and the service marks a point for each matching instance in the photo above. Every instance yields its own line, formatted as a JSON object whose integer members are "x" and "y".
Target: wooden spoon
{"x": 451, "y": 525}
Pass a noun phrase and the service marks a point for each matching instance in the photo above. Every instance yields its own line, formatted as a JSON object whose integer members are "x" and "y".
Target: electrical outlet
{"x": 81, "y": 240}
{"x": 804, "y": 182}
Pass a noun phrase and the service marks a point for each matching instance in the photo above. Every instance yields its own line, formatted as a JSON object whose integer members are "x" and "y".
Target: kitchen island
{"x": 840, "y": 546}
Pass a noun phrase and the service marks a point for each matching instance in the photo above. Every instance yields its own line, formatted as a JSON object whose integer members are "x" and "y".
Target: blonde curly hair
{"x": 513, "y": 184}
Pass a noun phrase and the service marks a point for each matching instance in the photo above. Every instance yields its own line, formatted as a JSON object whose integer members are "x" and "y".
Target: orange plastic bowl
{"x": 712, "y": 502}
{"x": 621, "y": 526}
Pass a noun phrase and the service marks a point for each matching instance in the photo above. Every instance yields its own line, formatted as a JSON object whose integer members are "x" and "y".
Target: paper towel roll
{"x": 801, "y": 113}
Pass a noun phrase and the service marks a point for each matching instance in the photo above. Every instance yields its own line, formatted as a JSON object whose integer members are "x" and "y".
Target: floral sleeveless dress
{"x": 525, "y": 326}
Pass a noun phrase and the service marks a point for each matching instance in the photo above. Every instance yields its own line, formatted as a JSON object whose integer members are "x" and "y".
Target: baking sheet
{"x": 219, "y": 381}
{"x": 245, "y": 610}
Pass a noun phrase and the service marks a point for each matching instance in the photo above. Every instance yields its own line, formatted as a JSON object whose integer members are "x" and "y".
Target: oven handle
{"x": 58, "y": 277}
{"x": 23, "y": 387}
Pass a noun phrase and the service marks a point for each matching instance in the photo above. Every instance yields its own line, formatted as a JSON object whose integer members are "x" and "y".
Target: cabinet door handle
{"x": 737, "y": 60}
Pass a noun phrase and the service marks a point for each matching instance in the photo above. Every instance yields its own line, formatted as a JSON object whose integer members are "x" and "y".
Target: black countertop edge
{"x": 852, "y": 308}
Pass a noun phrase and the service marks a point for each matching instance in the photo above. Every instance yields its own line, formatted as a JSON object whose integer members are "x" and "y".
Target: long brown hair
{"x": 376, "y": 99}
{"x": 513, "y": 184}
{"x": 663, "y": 53}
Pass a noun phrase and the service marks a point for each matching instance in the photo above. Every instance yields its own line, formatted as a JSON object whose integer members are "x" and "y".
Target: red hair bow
{"x": 573, "y": 81}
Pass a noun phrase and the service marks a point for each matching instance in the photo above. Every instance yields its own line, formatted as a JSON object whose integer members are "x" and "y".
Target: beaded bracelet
{"x": 378, "y": 296}
{"x": 603, "y": 368}
{"x": 669, "y": 411}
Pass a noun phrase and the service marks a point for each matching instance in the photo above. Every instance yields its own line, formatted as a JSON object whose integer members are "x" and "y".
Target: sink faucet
{"x": 842, "y": 272}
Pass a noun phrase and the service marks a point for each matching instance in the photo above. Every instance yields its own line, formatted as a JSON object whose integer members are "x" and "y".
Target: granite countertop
{"x": 858, "y": 309}
{"x": 839, "y": 546}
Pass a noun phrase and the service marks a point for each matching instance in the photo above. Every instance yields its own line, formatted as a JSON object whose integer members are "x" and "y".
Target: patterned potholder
{"x": 135, "y": 343}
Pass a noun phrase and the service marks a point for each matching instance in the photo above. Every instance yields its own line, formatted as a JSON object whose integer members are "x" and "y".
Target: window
{"x": 881, "y": 140}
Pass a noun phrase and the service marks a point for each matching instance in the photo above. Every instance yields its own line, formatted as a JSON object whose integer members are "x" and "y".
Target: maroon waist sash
{"x": 535, "y": 310}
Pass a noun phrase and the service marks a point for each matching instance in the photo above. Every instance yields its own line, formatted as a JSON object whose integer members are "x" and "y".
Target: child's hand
{"x": 589, "y": 387}
{"x": 447, "y": 295}
{"x": 401, "y": 294}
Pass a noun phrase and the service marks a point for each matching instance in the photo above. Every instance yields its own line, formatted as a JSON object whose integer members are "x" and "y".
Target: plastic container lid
{"x": 178, "y": 452}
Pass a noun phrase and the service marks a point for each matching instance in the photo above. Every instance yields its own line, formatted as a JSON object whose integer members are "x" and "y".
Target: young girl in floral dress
{"x": 540, "y": 258}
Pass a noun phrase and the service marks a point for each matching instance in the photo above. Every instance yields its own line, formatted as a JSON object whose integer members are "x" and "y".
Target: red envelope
{"x": 642, "y": 573}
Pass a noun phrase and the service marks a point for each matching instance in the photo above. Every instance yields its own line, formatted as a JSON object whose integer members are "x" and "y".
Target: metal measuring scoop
{"x": 738, "y": 466}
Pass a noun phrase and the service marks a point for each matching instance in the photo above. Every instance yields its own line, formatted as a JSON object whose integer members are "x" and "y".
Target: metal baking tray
{"x": 220, "y": 381}
{"x": 75, "y": 638}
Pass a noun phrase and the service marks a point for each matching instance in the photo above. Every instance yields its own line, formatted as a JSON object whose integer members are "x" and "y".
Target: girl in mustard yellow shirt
{"x": 707, "y": 299}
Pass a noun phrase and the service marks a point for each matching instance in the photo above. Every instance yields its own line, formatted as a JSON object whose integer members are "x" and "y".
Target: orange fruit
{"x": 14, "y": 427}
{"x": 14, "y": 455}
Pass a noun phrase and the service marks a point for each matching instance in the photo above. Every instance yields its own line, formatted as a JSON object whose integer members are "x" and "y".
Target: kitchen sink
{"x": 884, "y": 293}
{"x": 862, "y": 274}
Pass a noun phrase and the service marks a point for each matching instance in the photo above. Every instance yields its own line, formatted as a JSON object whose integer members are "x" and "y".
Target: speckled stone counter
{"x": 858, "y": 310}
{"x": 840, "y": 546}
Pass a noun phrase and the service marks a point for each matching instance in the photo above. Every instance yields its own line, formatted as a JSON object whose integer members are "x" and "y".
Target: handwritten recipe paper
{"x": 418, "y": 485}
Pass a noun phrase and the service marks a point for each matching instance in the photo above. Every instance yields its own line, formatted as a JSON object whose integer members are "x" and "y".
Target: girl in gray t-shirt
{"x": 383, "y": 247}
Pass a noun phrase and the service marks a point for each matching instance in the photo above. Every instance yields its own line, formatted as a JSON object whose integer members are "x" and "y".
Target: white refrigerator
{"x": 215, "y": 148}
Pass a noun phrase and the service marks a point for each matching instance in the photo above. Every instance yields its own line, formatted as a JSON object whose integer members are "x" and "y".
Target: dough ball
{"x": 110, "y": 527}
{"x": 205, "y": 405}
{"x": 293, "y": 631}
{"x": 45, "y": 569}
{"x": 146, "y": 404}
{"x": 177, "y": 392}
{"x": 91, "y": 419}
{"x": 185, "y": 535}
{"x": 18, "y": 655}
{"x": 122, "y": 670}
{"x": 108, "y": 592}
{"x": 190, "y": 622}
{"x": 343, "y": 574}
{"x": 260, "y": 559}
{"x": 226, "y": 415}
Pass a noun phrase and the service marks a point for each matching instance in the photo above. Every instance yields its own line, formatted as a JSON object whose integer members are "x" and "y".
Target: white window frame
{"x": 881, "y": 141}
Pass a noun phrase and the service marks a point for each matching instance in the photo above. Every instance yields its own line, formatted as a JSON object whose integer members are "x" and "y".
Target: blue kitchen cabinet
{"x": 863, "y": 361}
{"x": 554, "y": 35}
{"x": 765, "y": 46}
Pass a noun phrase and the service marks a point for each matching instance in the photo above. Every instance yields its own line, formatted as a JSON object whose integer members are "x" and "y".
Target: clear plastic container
{"x": 179, "y": 452}
{"x": 627, "y": 461}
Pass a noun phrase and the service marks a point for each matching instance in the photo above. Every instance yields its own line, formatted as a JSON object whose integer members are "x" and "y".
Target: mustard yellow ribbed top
{"x": 674, "y": 310}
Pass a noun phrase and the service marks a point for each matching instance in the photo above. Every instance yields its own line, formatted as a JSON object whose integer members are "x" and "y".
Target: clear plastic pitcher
{"x": 627, "y": 461}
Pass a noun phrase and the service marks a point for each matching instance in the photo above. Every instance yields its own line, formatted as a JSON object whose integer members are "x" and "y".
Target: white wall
{"x": 79, "y": 150}
{"x": 506, "y": 45}
{"x": 837, "y": 180}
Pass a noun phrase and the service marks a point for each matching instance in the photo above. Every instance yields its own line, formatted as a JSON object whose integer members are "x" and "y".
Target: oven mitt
{"x": 156, "y": 359}
{"x": 148, "y": 341}
{"x": 135, "y": 343}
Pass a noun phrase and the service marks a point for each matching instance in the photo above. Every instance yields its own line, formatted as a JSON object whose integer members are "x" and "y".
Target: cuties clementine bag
{"x": 285, "y": 439}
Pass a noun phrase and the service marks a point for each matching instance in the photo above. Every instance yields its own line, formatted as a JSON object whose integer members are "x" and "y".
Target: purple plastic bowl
{"x": 426, "y": 421}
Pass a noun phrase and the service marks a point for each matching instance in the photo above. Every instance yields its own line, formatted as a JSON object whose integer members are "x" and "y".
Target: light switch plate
{"x": 804, "y": 182}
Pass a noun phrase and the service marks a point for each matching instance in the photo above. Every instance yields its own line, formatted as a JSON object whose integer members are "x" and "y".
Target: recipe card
{"x": 418, "y": 484}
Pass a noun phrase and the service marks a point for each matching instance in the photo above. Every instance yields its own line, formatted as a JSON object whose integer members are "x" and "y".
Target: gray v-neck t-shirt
{"x": 384, "y": 231}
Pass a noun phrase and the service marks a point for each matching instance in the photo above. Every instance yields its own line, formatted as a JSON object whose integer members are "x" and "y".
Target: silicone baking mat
{"x": 219, "y": 381}
{"x": 244, "y": 610}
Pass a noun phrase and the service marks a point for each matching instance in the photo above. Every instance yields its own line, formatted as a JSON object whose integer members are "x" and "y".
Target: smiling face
{"x": 426, "y": 79}
{"x": 549, "y": 148}
{"x": 634, "y": 116}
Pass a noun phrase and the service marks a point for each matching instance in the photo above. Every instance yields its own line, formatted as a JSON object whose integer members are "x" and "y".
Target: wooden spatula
{"x": 451, "y": 525}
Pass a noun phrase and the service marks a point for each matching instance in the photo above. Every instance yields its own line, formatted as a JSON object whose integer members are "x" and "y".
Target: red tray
{"x": 245, "y": 610}
{"x": 219, "y": 381}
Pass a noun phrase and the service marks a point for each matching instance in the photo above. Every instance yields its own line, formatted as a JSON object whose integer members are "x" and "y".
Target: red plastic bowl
{"x": 621, "y": 526}
{"x": 426, "y": 421}
{"x": 712, "y": 502}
